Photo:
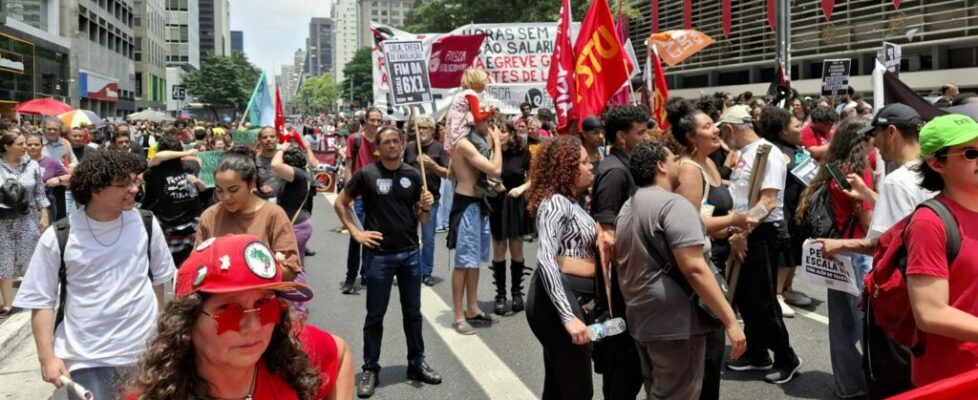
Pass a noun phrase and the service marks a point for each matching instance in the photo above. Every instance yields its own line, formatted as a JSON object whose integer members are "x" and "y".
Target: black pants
{"x": 713, "y": 364}
{"x": 756, "y": 299}
{"x": 567, "y": 366}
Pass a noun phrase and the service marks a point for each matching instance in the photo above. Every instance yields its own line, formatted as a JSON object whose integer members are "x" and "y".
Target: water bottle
{"x": 607, "y": 328}
{"x": 741, "y": 196}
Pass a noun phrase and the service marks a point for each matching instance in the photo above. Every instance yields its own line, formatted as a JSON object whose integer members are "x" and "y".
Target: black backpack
{"x": 63, "y": 228}
{"x": 14, "y": 200}
{"x": 819, "y": 218}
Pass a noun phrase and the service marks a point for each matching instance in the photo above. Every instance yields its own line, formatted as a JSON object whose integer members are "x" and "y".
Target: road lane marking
{"x": 812, "y": 316}
{"x": 492, "y": 374}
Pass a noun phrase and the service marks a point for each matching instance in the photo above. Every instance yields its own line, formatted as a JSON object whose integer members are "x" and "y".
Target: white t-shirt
{"x": 899, "y": 194}
{"x": 110, "y": 312}
{"x": 774, "y": 177}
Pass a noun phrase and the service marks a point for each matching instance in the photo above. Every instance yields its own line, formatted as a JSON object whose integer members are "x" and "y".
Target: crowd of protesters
{"x": 611, "y": 200}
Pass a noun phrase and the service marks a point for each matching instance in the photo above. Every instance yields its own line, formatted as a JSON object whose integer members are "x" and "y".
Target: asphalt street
{"x": 505, "y": 361}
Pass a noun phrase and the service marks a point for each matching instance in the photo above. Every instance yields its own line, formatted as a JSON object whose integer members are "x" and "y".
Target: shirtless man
{"x": 469, "y": 221}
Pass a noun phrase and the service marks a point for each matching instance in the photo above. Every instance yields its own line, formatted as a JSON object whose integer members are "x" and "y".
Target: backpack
{"x": 819, "y": 218}
{"x": 889, "y": 325}
{"x": 62, "y": 230}
{"x": 14, "y": 200}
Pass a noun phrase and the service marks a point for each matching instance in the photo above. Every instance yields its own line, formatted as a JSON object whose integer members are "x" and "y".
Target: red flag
{"x": 279, "y": 115}
{"x": 450, "y": 56}
{"x": 560, "y": 79}
{"x": 687, "y": 14}
{"x": 654, "y": 14}
{"x": 896, "y": 4}
{"x": 623, "y": 95}
{"x": 725, "y": 16}
{"x": 601, "y": 66}
{"x": 660, "y": 91}
{"x": 771, "y": 14}
{"x": 827, "y": 6}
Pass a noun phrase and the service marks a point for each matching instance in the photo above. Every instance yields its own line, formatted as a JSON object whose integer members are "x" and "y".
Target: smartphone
{"x": 838, "y": 176}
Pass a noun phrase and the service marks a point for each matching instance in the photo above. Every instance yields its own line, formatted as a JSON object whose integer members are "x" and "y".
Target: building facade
{"x": 149, "y": 26}
{"x": 34, "y": 55}
{"x": 215, "y": 28}
{"x": 283, "y": 80}
{"x": 319, "y": 47}
{"x": 183, "y": 50}
{"x": 237, "y": 41}
{"x": 346, "y": 28}
{"x": 939, "y": 40}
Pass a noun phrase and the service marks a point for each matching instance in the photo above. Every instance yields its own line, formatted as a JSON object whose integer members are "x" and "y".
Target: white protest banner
{"x": 835, "y": 76}
{"x": 407, "y": 68}
{"x": 833, "y": 273}
{"x": 891, "y": 55}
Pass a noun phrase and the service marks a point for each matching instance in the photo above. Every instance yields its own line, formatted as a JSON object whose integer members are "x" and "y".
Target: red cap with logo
{"x": 235, "y": 263}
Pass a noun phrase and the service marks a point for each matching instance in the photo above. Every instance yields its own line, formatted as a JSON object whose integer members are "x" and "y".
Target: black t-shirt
{"x": 293, "y": 194}
{"x": 388, "y": 199}
{"x": 516, "y": 164}
{"x": 613, "y": 185}
{"x": 435, "y": 151}
{"x": 170, "y": 195}
{"x": 268, "y": 177}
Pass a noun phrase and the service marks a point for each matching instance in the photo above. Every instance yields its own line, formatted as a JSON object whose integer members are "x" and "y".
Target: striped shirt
{"x": 565, "y": 230}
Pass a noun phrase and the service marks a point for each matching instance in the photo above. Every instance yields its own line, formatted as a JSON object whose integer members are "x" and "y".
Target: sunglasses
{"x": 229, "y": 319}
{"x": 969, "y": 154}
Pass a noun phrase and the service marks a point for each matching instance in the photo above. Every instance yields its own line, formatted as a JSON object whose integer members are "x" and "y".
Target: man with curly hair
{"x": 110, "y": 303}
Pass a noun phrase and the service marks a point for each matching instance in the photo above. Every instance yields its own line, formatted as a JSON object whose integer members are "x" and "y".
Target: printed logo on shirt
{"x": 259, "y": 260}
{"x": 384, "y": 185}
{"x": 205, "y": 244}
{"x": 405, "y": 182}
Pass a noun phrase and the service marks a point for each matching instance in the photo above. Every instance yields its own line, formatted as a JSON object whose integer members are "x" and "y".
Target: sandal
{"x": 6, "y": 312}
{"x": 463, "y": 328}
{"x": 482, "y": 318}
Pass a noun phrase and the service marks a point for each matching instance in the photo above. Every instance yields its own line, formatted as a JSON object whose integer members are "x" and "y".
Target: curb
{"x": 14, "y": 330}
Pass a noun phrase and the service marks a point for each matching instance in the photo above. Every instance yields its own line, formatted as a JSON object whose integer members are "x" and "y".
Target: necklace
{"x": 251, "y": 391}
{"x": 94, "y": 236}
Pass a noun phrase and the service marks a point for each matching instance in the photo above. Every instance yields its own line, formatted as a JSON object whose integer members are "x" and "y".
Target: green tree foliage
{"x": 439, "y": 16}
{"x": 317, "y": 94}
{"x": 223, "y": 81}
{"x": 359, "y": 72}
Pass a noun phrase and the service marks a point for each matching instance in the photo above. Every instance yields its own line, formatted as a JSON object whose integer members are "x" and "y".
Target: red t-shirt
{"x": 811, "y": 139}
{"x": 926, "y": 255}
{"x": 845, "y": 207}
{"x": 368, "y": 151}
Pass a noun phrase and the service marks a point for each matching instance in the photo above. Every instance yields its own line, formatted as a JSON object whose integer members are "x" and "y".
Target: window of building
{"x": 733, "y": 77}
{"x": 962, "y": 58}
{"x": 139, "y": 84}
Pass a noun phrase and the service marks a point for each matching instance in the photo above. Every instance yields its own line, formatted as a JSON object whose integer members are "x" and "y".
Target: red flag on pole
{"x": 896, "y": 4}
{"x": 772, "y": 14}
{"x": 687, "y": 14}
{"x": 725, "y": 17}
{"x": 828, "y": 5}
{"x": 601, "y": 66}
{"x": 654, "y": 14}
{"x": 279, "y": 114}
{"x": 560, "y": 80}
{"x": 660, "y": 91}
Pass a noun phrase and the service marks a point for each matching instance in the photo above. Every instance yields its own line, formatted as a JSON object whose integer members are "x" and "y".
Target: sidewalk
{"x": 20, "y": 375}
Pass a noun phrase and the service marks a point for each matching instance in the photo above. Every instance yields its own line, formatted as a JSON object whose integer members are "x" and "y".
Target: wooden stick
{"x": 417, "y": 139}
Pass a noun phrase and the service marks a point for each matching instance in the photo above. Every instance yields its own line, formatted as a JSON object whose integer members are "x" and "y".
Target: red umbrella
{"x": 43, "y": 107}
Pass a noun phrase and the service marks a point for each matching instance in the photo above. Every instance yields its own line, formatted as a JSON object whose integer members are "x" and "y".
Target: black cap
{"x": 896, "y": 114}
{"x": 591, "y": 123}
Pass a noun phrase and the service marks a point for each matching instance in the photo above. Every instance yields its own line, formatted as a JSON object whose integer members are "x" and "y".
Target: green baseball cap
{"x": 946, "y": 131}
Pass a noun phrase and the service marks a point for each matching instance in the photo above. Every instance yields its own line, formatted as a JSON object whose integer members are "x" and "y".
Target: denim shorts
{"x": 472, "y": 245}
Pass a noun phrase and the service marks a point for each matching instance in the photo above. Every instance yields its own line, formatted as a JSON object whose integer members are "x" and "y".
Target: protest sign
{"x": 835, "y": 76}
{"x": 834, "y": 273}
{"x": 245, "y": 138}
{"x": 805, "y": 169}
{"x": 890, "y": 56}
{"x": 208, "y": 164}
{"x": 407, "y": 71}
{"x": 450, "y": 56}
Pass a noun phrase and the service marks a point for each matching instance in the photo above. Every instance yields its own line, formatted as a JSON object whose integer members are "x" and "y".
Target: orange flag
{"x": 602, "y": 66}
{"x": 676, "y": 46}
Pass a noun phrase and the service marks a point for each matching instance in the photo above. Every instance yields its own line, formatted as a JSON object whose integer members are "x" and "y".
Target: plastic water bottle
{"x": 610, "y": 327}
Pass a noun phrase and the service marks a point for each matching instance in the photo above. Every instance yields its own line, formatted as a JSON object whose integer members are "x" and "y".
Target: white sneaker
{"x": 786, "y": 310}
{"x": 796, "y": 298}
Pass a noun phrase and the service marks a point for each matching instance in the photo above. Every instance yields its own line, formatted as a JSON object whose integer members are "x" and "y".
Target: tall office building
{"x": 183, "y": 49}
{"x": 102, "y": 58}
{"x": 237, "y": 41}
{"x": 319, "y": 47}
{"x": 298, "y": 71}
{"x": 215, "y": 28}
{"x": 283, "y": 81}
{"x": 34, "y": 54}
{"x": 346, "y": 27}
{"x": 387, "y": 12}
{"x": 149, "y": 26}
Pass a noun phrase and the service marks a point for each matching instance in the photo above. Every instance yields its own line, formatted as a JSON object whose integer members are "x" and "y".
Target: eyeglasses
{"x": 969, "y": 154}
{"x": 229, "y": 319}
{"x": 127, "y": 185}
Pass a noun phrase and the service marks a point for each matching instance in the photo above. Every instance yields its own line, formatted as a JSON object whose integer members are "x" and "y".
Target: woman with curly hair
{"x": 225, "y": 335}
{"x": 566, "y": 267}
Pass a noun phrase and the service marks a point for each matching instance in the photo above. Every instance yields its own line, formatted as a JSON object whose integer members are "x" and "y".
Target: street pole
{"x": 783, "y": 35}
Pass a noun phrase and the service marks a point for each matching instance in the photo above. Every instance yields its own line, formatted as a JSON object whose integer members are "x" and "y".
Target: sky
{"x": 274, "y": 30}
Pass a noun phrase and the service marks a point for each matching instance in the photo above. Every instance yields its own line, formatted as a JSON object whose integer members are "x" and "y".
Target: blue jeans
{"x": 447, "y": 191}
{"x": 103, "y": 382}
{"x": 383, "y": 268}
{"x": 845, "y": 333}
{"x": 353, "y": 253}
{"x": 428, "y": 242}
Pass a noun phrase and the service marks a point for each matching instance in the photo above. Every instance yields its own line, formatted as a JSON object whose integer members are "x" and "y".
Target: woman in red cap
{"x": 226, "y": 335}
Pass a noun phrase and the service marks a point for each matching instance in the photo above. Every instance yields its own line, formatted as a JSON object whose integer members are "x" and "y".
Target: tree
{"x": 317, "y": 94}
{"x": 223, "y": 82}
{"x": 446, "y": 15}
{"x": 359, "y": 77}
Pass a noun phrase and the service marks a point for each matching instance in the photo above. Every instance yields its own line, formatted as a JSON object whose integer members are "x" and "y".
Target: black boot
{"x": 517, "y": 270}
{"x": 499, "y": 279}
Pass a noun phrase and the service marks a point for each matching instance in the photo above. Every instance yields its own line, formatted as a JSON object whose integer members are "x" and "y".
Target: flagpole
{"x": 251, "y": 100}
{"x": 417, "y": 140}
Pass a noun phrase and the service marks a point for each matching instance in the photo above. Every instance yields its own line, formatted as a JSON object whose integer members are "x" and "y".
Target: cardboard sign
{"x": 835, "y": 76}
{"x": 806, "y": 170}
{"x": 834, "y": 273}
{"x": 407, "y": 68}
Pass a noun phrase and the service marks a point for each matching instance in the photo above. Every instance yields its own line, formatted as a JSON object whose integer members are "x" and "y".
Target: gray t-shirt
{"x": 657, "y": 307}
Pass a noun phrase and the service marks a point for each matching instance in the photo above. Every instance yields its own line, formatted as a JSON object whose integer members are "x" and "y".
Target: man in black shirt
{"x": 395, "y": 202}
{"x": 435, "y": 161}
{"x": 615, "y": 357}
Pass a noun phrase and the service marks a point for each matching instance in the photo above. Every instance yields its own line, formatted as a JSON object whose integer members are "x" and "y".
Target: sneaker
{"x": 423, "y": 373}
{"x": 743, "y": 364}
{"x": 367, "y": 384}
{"x": 428, "y": 281}
{"x": 463, "y": 328}
{"x": 783, "y": 375}
{"x": 796, "y": 298}
{"x": 786, "y": 310}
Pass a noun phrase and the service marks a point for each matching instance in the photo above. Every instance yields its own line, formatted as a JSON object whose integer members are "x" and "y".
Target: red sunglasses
{"x": 229, "y": 319}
